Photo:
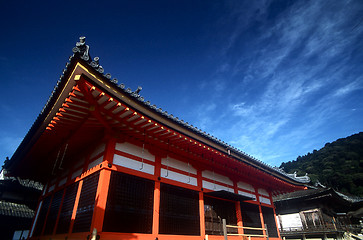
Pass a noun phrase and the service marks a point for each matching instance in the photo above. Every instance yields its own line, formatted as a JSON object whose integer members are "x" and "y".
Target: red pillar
{"x": 101, "y": 200}
{"x": 201, "y": 204}
{"x": 277, "y": 226}
{"x": 157, "y": 170}
{"x": 75, "y": 206}
{"x": 110, "y": 150}
{"x": 103, "y": 185}
{"x": 261, "y": 215}
{"x": 238, "y": 210}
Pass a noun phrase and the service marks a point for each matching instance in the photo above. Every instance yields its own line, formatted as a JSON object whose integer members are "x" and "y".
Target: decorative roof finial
{"x": 138, "y": 90}
{"x": 82, "y": 48}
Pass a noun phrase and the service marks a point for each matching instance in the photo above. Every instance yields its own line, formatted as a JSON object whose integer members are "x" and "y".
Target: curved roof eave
{"x": 81, "y": 54}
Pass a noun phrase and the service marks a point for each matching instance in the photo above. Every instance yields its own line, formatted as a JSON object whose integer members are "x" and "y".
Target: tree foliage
{"x": 338, "y": 165}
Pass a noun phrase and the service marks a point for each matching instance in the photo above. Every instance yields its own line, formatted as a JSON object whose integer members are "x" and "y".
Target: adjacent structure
{"x": 117, "y": 167}
{"x": 319, "y": 214}
{"x": 18, "y": 202}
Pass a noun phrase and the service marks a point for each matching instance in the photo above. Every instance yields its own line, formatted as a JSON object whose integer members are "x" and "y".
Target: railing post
{"x": 224, "y": 228}
{"x": 266, "y": 231}
{"x": 94, "y": 234}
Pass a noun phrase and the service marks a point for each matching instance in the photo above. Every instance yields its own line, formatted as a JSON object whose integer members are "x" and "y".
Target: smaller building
{"x": 18, "y": 201}
{"x": 318, "y": 214}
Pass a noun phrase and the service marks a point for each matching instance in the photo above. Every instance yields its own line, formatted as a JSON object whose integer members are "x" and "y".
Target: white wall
{"x": 290, "y": 221}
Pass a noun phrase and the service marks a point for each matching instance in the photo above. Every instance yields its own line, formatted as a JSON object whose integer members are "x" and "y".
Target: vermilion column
{"x": 201, "y": 204}
{"x": 101, "y": 200}
{"x": 75, "y": 206}
{"x": 261, "y": 215}
{"x": 110, "y": 150}
{"x": 238, "y": 210}
{"x": 262, "y": 221}
{"x": 277, "y": 226}
{"x": 103, "y": 186}
{"x": 155, "y": 229}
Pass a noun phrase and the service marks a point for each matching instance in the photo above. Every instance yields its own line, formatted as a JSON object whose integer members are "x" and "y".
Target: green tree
{"x": 338, "y": 165}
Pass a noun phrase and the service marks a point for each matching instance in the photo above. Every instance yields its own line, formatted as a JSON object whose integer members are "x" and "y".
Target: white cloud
{"x": 242, "y": 15}
{"x": 353, "y": 86}
{"x": 291, "y": 79}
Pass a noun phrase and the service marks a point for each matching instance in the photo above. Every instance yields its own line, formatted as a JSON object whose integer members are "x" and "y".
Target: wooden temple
{"x": 116, "y": 167}
{"x": 319, "y": 213}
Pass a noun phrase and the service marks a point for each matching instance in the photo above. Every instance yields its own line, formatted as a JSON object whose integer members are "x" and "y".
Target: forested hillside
{"x": 338, "y": 164}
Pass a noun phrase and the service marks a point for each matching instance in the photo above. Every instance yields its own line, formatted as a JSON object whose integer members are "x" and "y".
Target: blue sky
{"x": 276, "y": 79}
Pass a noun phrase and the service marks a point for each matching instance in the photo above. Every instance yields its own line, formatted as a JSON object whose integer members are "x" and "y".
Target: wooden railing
{"x": 327, "y": 227}
{"x": 244, "y": 236}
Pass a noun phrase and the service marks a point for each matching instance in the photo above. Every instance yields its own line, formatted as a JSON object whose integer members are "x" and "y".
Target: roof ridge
{"x": 82, "y": 51}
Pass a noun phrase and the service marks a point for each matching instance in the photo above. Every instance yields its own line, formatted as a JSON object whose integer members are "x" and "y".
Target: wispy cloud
{"x": 350, "y": 87}
{"x": 291, "y": 79}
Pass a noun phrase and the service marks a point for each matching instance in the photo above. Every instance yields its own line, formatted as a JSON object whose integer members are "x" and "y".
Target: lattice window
{"x": 67, "y": 209}
{"x": 86, "y": 204}
{"x": 215, "y": 210}
{"x": 251, "y": 218}
{"x": 41, "y": 217}
{"x": 53, "y": 212}
{"x": 179, "y": 211}
{"x": 269, "y": 219}
{"x": 129, "y": 205}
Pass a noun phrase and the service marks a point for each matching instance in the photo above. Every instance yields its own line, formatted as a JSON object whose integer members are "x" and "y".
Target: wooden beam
{"x": 96, "y": 113}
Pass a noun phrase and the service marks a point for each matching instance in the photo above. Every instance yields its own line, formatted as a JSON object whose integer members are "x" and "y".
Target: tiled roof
{"x": 297, "y": 194}
{"x": 304, "y": 179}
{"x": 353, "y": 199}
{"x": 23, "y": 182}
{"x": 82, "y": 51}
{"x": 15, "y": 210}
{"x": 315, "y": 193}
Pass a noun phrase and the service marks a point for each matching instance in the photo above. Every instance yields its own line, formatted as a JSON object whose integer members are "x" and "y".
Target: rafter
{"x": 96, "y": 112}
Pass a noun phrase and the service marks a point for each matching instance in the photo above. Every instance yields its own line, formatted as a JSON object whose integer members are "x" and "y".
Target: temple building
{"x": 115, "y": 166}
{"x": 18, "y": 202}
{"x": 319, "y": 213}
